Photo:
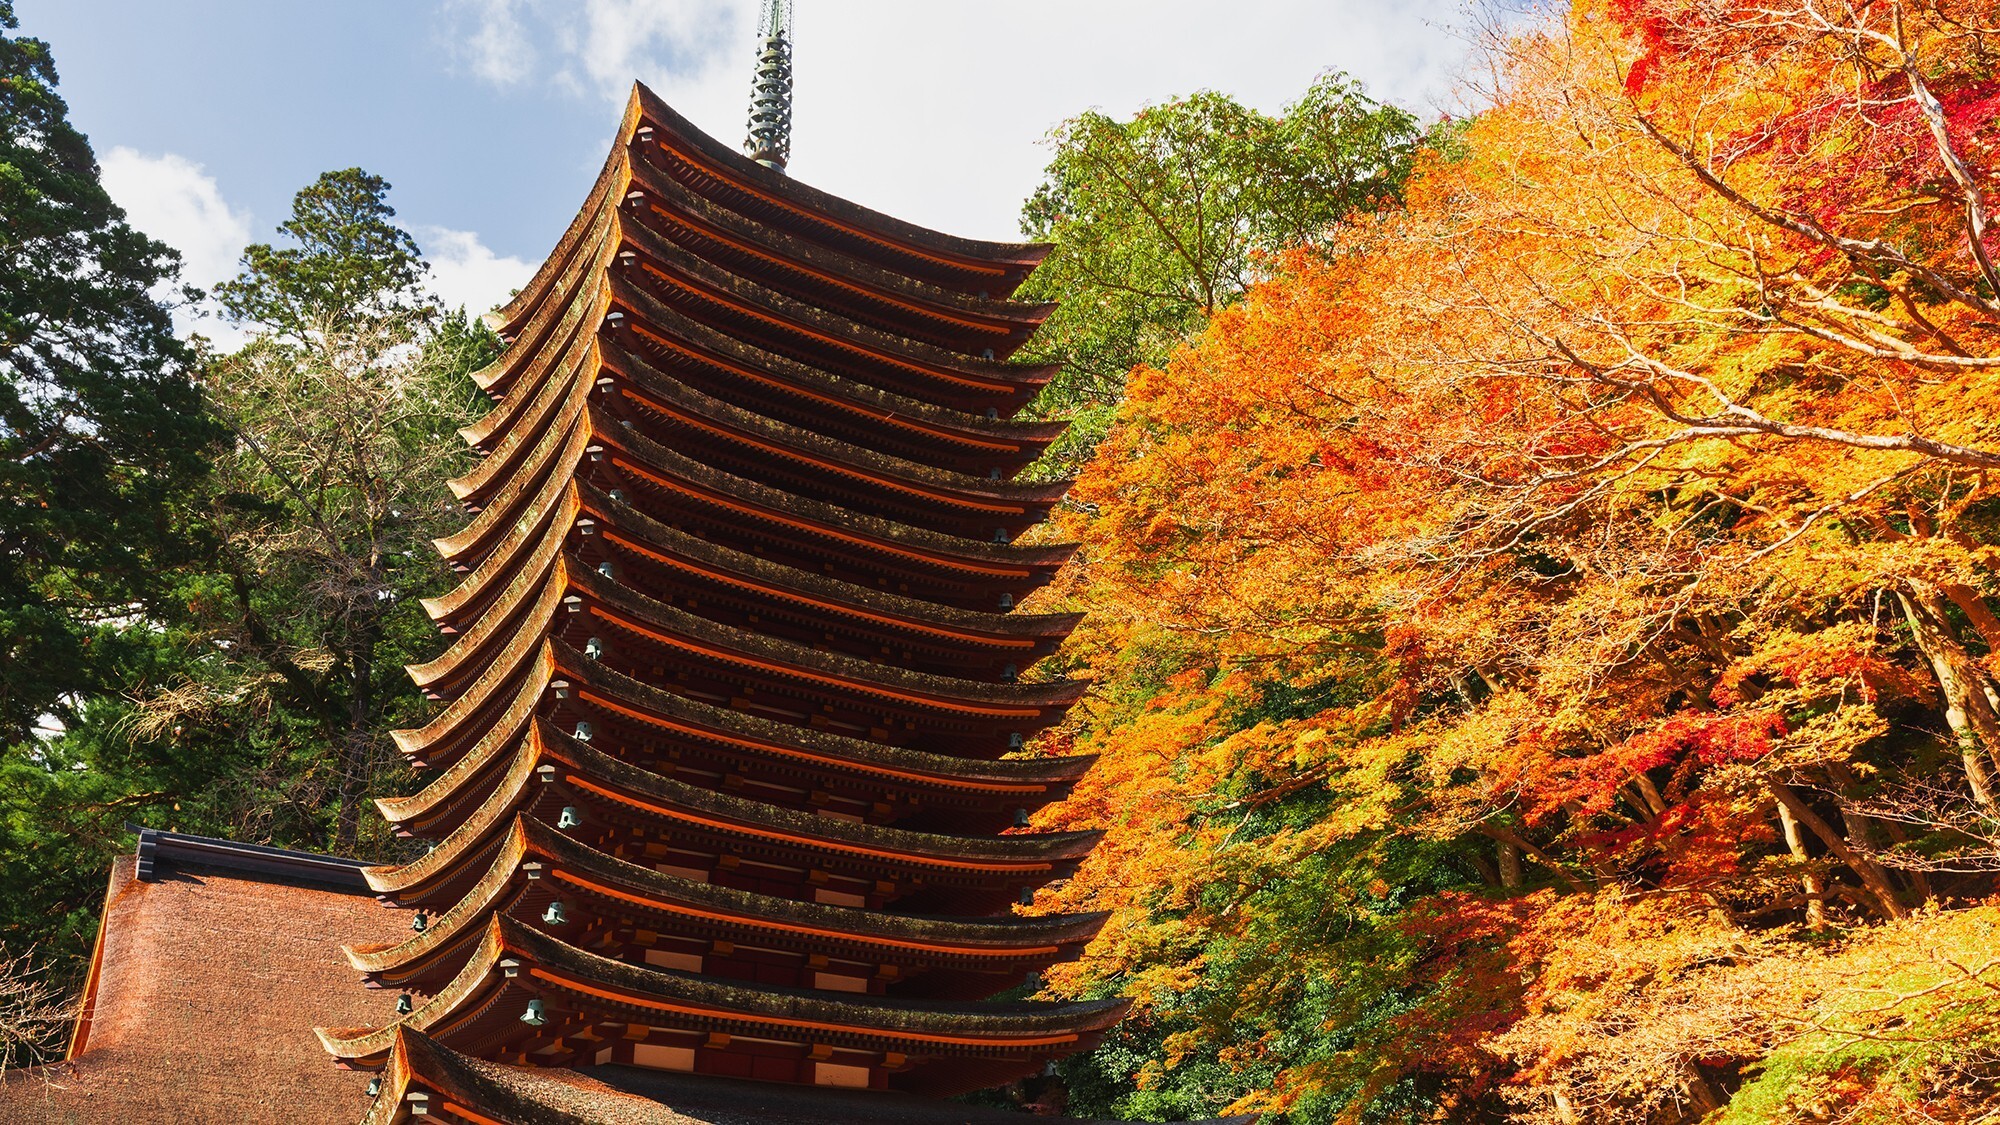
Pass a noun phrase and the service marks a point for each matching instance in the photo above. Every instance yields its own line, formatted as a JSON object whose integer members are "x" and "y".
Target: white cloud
{"x": 661, "y": 42}
{"x": 466, "y": 273}
{"x": 933, "y": 110}
{"x": 176, "y": 201}
{"x": 595, "y": 47}
{"x": 490, "y": 39}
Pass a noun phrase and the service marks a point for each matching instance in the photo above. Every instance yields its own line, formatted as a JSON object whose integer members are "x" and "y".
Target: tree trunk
{"x": 1490, "y": 679}
{"x": 1699, "y": 1091}
{"x": 1974, "y": 606}
{"x": 1654, "y": 802}
{"x": 357, "y": 750}
{"x": 1871, "y": 874}
{"x": 1976, "y": 610}
{"x": 1510, "y": 864}
{"x": 1966, "y": 706}
{"x": 1488, "y": 874}
{"x": 1506, "y": 838}
{"x": 1862, "y": 828}
{"x": 1813, "y": 885}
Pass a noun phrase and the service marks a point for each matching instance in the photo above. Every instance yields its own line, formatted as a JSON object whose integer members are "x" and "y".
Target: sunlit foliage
{"x": 1544, "y": 643}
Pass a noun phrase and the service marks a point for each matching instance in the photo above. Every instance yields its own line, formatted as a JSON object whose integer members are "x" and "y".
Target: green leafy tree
{"x": 1160, "y": 220}
{"x": 102, "y": 429}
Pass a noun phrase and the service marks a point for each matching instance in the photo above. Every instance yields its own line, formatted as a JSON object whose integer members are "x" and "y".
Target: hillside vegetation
{"x": 1544, "y": 650}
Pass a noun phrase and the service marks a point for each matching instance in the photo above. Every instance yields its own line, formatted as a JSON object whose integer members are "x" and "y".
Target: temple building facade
{"x": 725, "y": 807}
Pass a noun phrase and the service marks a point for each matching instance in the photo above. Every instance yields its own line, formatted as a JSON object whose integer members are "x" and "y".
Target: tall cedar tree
{"x": 346, "y": 406}
{"x": 102, "y": 429}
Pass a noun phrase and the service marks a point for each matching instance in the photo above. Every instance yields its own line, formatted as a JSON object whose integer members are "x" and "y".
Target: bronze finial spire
{"x": 770, "y": 140}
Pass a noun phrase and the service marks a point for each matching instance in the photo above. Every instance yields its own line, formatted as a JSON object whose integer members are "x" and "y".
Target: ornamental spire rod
{"x": 770, "y": 139}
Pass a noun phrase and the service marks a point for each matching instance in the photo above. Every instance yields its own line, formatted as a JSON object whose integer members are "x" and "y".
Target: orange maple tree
{"x": 1543, "y": 635}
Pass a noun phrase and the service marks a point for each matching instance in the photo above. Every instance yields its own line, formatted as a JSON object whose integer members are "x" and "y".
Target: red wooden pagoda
{"x": 721, "y": 773}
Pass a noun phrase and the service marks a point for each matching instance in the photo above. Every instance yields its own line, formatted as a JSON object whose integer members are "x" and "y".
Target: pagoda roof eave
{"x": 691, "y": 718}
{"x": 829, "y": 747}
{"x": 1016, "y": 847}
{"x": 595, "y": 983}
{"x": 599, "y": 243}
{"x": 501, "y": 741}
{"x": 531, "y": 602}
{"x": 865, "y": 464}
{"x": 1014, "y": 259}
{"x": 621, "y": 781}
{"x": 978, "y": 1018}
{"x": 546, "y": 525}
{"x": 540, "y": 403}
{"x": 554, "y": 406}
{"x": 516, "y": 616}
{"x": 831, "y": 523}
{"x": 363, "y": 1046}
{"x": 635, "y": 1096}
{"x": 876, "y": 404}
{"x": 784, "y": 313}
{"x": 409, "y": 1064}
{"x": 850, "y": 597}
{"x": 417, "y": 1063}
{"x": 560, "y": 444}
{"x": 997, "y": 934}
{"x": 528, "y": 671}
{"x": 739, "y": 494}
{"x": 550, "y": 328}
{"x": 462, "y": 921}
{"x": 553, "y": 514}
{"x": 793, "y": 659}
{"x": 833, "y": 519}
{"x": 664, "y": 893}
{"x": 683, "y": 204}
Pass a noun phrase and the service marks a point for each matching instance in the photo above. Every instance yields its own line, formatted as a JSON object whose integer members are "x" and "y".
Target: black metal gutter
{"x": 159, "y": 850}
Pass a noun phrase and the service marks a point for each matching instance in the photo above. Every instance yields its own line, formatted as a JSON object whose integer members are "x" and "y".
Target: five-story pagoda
{"x": 721, "y": 778}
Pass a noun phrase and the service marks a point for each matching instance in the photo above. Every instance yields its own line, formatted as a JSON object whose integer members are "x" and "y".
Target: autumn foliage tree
{"x": 1546, "y": 653}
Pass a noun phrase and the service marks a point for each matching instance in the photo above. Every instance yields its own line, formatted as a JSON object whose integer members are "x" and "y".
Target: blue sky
{"x": 491, "y": 116}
